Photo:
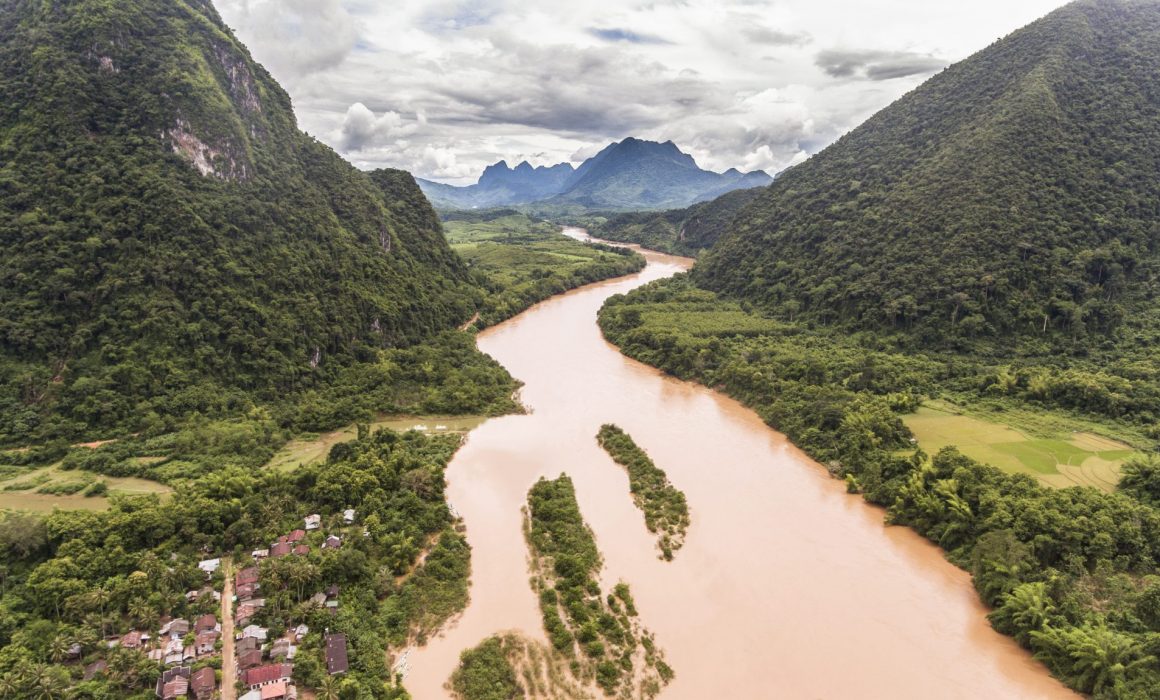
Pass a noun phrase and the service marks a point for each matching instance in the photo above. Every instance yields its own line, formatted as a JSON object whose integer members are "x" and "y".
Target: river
{"x": 786, "y": 587}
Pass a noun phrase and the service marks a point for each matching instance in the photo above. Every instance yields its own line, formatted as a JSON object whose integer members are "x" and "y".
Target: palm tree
{"x": 1092, "y": 658}
{"x": 141, "y": 611}
{"x": 99, "y": 600}
{"x": 1026, "y": 609}
{"x": 9, "y": 685}
{"x": 58, "y": 648}
{"x": 329, "y": 689}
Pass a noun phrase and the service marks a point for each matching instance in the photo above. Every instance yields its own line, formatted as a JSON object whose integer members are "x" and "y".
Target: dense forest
{"x": 1009, "y": 202}
{"x": 678, "y": 231}
{"x": 1072, "y": 573}
{"x": 172, "y": 244}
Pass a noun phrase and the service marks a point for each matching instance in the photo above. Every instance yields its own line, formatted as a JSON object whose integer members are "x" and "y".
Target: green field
{"x": 1064, "y": 459}
{"x": 521, "y": 261}
{"x": 311, "y": 448}
{"x": 28, "y": 489}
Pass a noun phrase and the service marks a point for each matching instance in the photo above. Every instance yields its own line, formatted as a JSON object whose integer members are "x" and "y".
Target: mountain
{"x": 1012, "y": 196}
{"x": 501, "y": 185}
{"x": 681, "y": 231}
{"x": 630, "y": 174}
{"x": 170, "y": 242}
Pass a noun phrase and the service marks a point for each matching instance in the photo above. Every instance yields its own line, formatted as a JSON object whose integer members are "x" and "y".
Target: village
{"x": 234, "y": 652}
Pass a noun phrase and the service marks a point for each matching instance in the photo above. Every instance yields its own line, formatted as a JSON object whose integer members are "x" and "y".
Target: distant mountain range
{"x": 627, "y": 175}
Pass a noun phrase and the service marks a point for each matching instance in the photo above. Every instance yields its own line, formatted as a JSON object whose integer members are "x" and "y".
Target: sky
{"x": 443, "y": 88}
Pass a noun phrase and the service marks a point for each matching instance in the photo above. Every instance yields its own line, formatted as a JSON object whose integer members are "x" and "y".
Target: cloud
{"x": 445, "y": 87}
{"x": 297, "y": 38}
{"x": 626, "y": 35}
{"x": 876, "y": 65}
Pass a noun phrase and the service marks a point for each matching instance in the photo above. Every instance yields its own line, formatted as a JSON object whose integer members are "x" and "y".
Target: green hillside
{"x": 1012, "y": 196}
{"x": 171, "y": 242}
{"x": 681, "y": 231}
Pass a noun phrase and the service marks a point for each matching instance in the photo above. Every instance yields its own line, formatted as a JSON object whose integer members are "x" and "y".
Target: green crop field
{"x": 1066, "y": 459}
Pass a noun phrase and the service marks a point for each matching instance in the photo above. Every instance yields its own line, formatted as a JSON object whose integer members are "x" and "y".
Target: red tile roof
{"x": 250, "y": 659}
{"x": 203, "y": 682}
{"x": 280, "y": 549}
{"x": 296, "y": 536}
{"x": 267, "y": 674}
{"x": 245, "y": 576}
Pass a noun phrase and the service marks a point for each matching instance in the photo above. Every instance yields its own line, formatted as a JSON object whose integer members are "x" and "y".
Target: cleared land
{"x": 1065, "y": 459}
{"x": 311, "y": 448}
{"x": 31, "y": 489}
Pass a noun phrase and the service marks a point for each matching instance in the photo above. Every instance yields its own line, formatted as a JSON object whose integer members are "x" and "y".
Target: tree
{"x": 1026, "y": 609}
{"x": 1093, "y": 659}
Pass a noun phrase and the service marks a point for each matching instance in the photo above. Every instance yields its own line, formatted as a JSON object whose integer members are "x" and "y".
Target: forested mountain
{"x": 502, "y": 185}
{"x": 683, "y": 231}
{"x": 1012, "y": 195}
{"x": 630, "y": 174}
{"x": 170, "y": 241}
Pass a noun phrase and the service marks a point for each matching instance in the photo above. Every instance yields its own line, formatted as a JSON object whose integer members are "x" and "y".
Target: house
{"x": 205, "y": 642}
{"x": 300, "y": 631}
{"x": 348, "y": 516}
{"x": 280, "y": 549}
{"x": 249, "y": 659}
{"x": 296, "y": 536}
{"x": 206, "y": 623}
{"x": 203, "y": 683}
{"x": 255, "y": 678}
{"x": 332, "y": 592}
{"x": 256, "y": 632}
{"x": 132, "y": 640}
{"x": 246, "y": 644}
{"x": 251, "y": 695}
{"x": 209, "y": 566}
{"x": 274, "y": 691}
{"x": 175, "y": 628}
{"x": 282, "y": 649}
{"x": 173, "y": 683}
{"x": 318, "y": 599}
{"x": 332, "y": 542}
{"x": 95, "y": 669}
{"x": 260, "y": 553}
{"x": 74, "y": 651}
{"x": 313, "y": 522}
{"x": 301, "y": 550}
{"x": 245, "y": 576}
{"x": 336, "y": 654}
{"x": 246, "y": 590}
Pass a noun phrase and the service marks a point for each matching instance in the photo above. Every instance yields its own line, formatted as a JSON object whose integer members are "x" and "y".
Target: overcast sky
{"x": 443, "y": 88}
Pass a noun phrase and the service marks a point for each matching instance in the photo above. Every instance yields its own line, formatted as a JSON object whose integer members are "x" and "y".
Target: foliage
{"x": 1008, "y": 202}
{"x": 679, "y": 231}
{"x": 485, "y": 673}
{"x": 664, "y": 507}
{"x": 1071, "y": 571}
{"x": 80, "y": 575}
{"x": 600, "y": 634}
{"x": 138, "y": 287}
{"x": 520, "y": 261}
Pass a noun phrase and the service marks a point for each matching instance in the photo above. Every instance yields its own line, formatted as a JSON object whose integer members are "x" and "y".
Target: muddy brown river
{"x": 786, "y": 587}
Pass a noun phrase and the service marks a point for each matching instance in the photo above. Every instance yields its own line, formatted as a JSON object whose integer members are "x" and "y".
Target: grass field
{"x": 27, "y": 489}
{"x": 1063, "y": 459}
{"x": 308, "y": 449}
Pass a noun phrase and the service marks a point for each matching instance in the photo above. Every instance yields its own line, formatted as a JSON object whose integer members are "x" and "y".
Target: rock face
{"x": 167, "y": 230}
{"x": 630, "y": 174}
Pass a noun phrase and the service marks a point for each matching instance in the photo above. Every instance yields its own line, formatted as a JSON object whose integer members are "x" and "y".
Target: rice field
{"x": 1066, "y": 459}
{"x": 28, "y": 489}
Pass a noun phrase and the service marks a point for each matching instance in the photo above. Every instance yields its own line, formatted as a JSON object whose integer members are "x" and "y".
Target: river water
{"x": 786, "y": 587}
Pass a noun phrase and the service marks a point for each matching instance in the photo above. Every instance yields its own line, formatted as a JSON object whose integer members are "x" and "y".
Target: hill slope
{"x": 1014, "y": 193}
{"x": 681, "y": 231}
{"x": 170, "y": 241}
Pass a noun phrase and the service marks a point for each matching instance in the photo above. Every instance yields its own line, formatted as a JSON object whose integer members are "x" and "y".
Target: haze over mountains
{"x": 630, "y": 174}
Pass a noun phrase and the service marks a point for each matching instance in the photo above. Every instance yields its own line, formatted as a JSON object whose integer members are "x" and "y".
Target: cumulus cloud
{"x": 445, "y": 87}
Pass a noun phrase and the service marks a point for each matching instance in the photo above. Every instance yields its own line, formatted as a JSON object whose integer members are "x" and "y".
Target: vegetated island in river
{"x": 600, "y": 636}
{"x": 664, "y": 507}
